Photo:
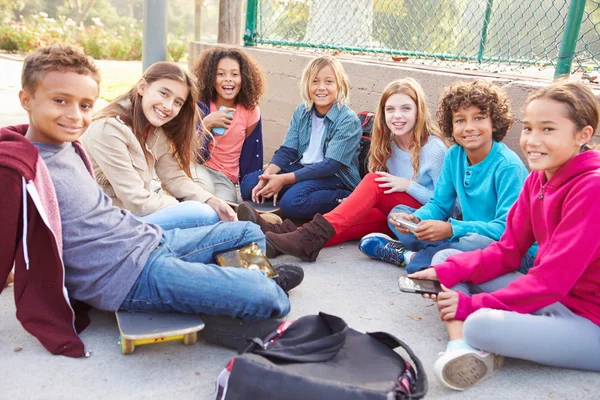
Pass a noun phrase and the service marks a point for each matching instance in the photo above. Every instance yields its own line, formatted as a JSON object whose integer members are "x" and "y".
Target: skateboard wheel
{"x": 190, "y": 338}
{"x": 127, "y": 346}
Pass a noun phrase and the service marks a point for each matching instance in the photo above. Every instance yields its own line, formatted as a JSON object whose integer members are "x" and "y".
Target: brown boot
{"x": 246, "y": 212}
{"x": 306, "y": 242}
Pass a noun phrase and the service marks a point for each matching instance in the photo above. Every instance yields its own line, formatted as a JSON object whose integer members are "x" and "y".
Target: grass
{"x": 118, "y": 79}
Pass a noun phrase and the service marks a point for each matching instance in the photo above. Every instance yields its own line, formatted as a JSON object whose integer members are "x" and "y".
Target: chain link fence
{"x": 492, "y": 35}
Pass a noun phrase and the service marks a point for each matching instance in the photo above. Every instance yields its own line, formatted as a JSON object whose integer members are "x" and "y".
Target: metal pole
{"x": 569, "y": 39}
{"x": 484, "y": 30}
{"x": 251, "y": 17}
{"x": 155, "y": 32}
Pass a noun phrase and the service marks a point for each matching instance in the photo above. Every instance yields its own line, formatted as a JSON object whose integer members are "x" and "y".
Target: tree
{"x": 79, "y": 9}
{"x": 348, "y": 23}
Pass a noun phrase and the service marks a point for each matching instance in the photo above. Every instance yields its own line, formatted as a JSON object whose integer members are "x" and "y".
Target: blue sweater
{"x": 340, "y": 141}
{"x": 485, "y": 191}
{"x": 431, "y": 159}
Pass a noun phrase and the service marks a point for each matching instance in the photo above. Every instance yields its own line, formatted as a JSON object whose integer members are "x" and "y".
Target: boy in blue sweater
{"x": 483, "y": 175}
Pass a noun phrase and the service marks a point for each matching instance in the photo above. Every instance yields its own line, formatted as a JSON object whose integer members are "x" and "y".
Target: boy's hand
{"x": 447, "y": 304}
{"x": 393, "y": 183}
{"x": 273, "y": 185}
{"x": 432, "y": 231}
{"x": 218, "y": 118}
{"x": 429, "y": 274}
{"x": 223, "y": 210}
{"x": 408, "y": 217}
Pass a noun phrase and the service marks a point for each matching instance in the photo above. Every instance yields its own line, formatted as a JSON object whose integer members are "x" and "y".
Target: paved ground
{"x": 342, "y": 282}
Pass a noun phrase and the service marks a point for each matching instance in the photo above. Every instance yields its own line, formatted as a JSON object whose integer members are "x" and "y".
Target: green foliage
{"x": 292, "y": 18}
{"x": 29, "y": 33}
{"x": 177, "y": 49}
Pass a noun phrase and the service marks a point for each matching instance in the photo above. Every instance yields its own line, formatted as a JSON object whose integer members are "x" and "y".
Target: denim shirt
{"x": 340, "y": 141}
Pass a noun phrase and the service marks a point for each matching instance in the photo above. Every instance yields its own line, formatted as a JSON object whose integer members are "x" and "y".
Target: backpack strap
{"x": 421, "y": 385}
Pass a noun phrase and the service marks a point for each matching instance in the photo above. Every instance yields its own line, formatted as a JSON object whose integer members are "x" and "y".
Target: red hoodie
{"x": 30, "y": 237}
{"x": 560, "y": 215}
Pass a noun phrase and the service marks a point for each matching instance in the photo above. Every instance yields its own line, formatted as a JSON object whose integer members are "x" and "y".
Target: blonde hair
{"x": 313, "y": 68}
{"x": 382, "y": 138}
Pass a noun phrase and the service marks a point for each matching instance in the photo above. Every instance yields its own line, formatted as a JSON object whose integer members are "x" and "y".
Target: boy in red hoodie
{"x": 68, "y": 241}
{"x": 552, "y": 314}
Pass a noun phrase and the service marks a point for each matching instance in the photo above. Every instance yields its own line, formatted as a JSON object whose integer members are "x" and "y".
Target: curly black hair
{"x": 253, "y": 80}
{"x": 490, "y": 98}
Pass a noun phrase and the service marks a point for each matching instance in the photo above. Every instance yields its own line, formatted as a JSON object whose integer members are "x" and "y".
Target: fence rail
{"x": 478, "y": 34}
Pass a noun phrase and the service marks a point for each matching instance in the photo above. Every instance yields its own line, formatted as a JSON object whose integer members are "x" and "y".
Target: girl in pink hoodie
{"x": 552, "y": 314}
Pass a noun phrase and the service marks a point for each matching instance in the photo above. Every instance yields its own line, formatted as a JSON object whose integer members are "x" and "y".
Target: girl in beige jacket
{"x": 151, "y": 131}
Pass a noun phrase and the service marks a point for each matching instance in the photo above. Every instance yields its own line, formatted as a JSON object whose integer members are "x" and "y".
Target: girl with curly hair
{"x": 151, "y": 131}
{"x": 480, "y": 173}
{"x": 405, "y": 159}
{"x": 231, "y": 84}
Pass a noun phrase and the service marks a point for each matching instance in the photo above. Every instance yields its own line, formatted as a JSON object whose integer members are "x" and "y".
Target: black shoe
{"x": 289, "y": 277}
{"x": 235, "y": 333}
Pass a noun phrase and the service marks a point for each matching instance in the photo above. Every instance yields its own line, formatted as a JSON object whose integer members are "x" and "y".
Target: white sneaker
{"x": 461, "y": 369}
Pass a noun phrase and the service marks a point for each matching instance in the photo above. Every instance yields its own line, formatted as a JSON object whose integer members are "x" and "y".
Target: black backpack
{"x": 319, "y": 357}
{"x": 367, "y": 119}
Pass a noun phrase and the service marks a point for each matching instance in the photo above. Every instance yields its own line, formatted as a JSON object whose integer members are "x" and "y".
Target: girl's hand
{"x": 272, "y": 187}
{"x": 223, "y": 210}
{"x": 432, "y": 231}
{"x": 218, "y": 118}
{"x": 408, "y": 217}
{"x": 394, "y": 183}
{"x": 429, "y": 274}
{"x": 447, "y": 304}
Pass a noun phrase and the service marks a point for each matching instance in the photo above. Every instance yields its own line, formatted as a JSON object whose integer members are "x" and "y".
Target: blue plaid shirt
{"x": 340, "y": 141}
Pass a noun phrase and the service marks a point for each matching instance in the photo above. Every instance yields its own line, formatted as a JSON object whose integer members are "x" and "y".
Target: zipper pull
{"x": 541, "y": 196}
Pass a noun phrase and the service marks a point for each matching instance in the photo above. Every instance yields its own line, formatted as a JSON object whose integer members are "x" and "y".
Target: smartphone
{"x": 411, "y": 226}
{"x": 219, "y": 130}
{"x": 422, "y": 286}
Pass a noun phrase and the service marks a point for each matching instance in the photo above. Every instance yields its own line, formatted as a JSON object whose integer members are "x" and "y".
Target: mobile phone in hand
{"x": 421, "y": 286}
{"x": 219, "y": 130}
{"x": 411, "y": 226}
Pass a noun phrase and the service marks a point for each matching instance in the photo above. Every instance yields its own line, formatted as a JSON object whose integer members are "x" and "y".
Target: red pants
{"x": 365, "y": 211}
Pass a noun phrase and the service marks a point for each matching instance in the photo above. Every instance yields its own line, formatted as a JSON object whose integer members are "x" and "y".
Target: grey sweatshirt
{"x": 104, "y": 248}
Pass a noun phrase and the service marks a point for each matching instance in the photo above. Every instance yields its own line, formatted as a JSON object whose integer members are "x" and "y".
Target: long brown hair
{"x": 181, "y": 130}
{"x": 382, "y": 140}
{"x": 580, "y": 104}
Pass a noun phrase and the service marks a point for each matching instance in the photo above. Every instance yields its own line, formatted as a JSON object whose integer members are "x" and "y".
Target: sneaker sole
{"x": 468, "y": 370}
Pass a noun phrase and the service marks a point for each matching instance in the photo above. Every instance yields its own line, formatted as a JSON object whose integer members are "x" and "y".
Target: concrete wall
{"x": 367, "y": 78}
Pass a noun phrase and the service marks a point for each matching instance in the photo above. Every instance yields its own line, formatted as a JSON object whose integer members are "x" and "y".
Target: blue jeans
{"x": 180, "y": 276}
{"x": 426, "y": 250}
{"x": 302, "y": 199}
{"x": 187, "y": 214}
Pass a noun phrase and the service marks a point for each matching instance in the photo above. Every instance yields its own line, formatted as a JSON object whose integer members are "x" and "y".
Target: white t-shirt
{"x": 314, "y": 152}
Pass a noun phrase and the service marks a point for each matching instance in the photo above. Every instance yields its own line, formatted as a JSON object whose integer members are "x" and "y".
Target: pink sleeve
{"x": 572, "y": 249}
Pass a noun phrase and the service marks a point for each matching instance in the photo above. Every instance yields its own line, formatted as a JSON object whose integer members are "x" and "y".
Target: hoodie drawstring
{"x": 25, "y": 252}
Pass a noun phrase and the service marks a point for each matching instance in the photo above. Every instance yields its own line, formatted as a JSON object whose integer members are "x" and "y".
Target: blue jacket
{"x": 251, "y": 157}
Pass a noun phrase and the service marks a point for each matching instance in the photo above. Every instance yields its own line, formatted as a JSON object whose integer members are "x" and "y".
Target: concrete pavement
{"x": 342, "y": 282}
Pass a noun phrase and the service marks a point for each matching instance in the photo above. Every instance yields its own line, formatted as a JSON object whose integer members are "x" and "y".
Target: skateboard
{"x": 147, "y": 328}
{"x": 261, "y": 208}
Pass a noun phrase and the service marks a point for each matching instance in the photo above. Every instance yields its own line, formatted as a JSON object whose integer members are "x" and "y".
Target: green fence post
{"x": 484, "y": 30}
{"x": 251, "y": 16}
{"x": 569, "y": 39}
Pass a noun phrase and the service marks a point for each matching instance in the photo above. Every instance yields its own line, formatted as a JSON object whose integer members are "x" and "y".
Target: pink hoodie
{"x": 559, "y": 214}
